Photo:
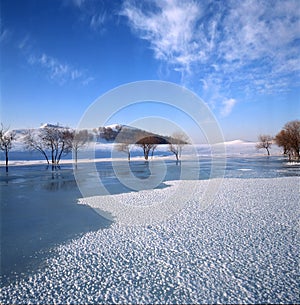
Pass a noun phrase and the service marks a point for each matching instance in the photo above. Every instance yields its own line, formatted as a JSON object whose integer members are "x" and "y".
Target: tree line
{"x": 288, "y": 138}
{"x": 53, "y": 142}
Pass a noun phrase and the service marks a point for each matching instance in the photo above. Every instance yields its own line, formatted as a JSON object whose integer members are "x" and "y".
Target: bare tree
{"x": 281, "y": 140}
{"x": 64, "y": 144}
{"x": 109, "y": 133}
{"x": 149, "y": 144}
{"x": 152, "y": 150}
{"x": 55, "y": 139}
{"x": 124, "y": 147}
{"x": 58, "y": 140}
{"x": 6, "y": 139}
{"x": 289, "y": 139}
{"x": 178, "y": 140}
{"x": 78, "y": 140}
{"x": 146, "y": 148}
{"x": 265, "y": 141}
{"x": 33, "y": 141}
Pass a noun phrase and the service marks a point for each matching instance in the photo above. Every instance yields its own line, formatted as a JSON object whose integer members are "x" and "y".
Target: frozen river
{"x": 42, "y": 224}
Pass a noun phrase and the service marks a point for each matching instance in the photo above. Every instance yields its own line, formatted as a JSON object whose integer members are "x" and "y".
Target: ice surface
{"x": 242, "y": 248}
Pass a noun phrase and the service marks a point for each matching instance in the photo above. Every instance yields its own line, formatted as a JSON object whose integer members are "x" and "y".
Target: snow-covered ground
{"x": 241, "y": 248}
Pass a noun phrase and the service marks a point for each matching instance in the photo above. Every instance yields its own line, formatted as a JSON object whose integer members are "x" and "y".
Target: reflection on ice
{"x": 39, "y": 211}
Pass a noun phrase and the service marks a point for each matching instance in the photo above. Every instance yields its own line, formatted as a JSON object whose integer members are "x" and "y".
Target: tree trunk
{"x": 268, "y": 151}
{"x": 43, "y": 153}
{"x": 6, "y": 160}
{"x": 146, "y": 152}
{"x": 52, "y": 155}
{"x": 75, "y": 151}
{"x": 46, "y": 157}
{"x": 60, "y": 153}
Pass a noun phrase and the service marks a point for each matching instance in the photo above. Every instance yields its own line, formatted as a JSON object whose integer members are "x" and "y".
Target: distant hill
{"x": 117, "y": 133}
{"x": 132, "y": 135}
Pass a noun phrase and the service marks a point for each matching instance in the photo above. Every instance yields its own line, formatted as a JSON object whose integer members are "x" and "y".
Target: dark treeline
{"x": 55, "y": 141}
{"x": 288, "y": 138}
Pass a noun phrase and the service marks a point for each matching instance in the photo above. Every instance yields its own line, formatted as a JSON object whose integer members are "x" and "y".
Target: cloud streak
{"x": 52, "y": 68}
{"x": 92, "y": 12}
{"x": 235, "y": 46}
{"x": 58, "y": 71}
{"x": 228, "y": 106}
{"x": 169, "y": 31}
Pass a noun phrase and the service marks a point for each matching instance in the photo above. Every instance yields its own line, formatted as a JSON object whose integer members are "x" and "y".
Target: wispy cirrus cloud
{"x": 228, "y": 106}
{"x": 92, "y": 12}
{"x": 5, "y": 33}
{"x": 233, "y": 46}
{"x": 169, "y": 29}
{"x": 53, "y": 68}
{"x": 58, "y": 71}
{"x": 77, "y": 3}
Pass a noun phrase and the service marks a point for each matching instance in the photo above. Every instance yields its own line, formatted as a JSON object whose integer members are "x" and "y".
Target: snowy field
{"x": 241, "y": 248}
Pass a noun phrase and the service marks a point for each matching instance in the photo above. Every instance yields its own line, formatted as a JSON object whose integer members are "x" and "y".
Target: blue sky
{"x": 241, "y": 57}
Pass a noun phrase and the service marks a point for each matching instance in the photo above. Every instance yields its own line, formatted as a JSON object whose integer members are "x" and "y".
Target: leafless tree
{"x": 108, "y": 133}
{"x": 289, "y": 139}
{"x": 265, "y": 141}
{"x": 125, "y": 147}
{"x": 57, "y": 140}
{"x": 6, "y": 139}
{"x": 152, "y": 150}
{"x": 149, "y": 144}
{"x": 78, "y": 140}
{"x": 33, "y": 141}
{"x": 178, "y": 140}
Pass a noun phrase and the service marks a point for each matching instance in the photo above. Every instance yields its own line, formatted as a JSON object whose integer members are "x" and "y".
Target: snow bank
{"x": 243, "y": 248}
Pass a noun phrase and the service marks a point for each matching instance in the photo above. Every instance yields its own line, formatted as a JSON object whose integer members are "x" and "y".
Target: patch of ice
{"x": 243, "y": 248}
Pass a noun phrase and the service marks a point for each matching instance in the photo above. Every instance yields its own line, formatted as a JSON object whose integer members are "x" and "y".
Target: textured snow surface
{"x": 242, "y": 248}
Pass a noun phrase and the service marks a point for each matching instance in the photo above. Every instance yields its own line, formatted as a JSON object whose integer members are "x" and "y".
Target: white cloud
{"x": 87, "y": 80}
{"x": 91, "y": 12}
{"x": 4, "y": 35}
{"x": 169, "y": 29}
{"x": 238, "y": 44}
{"x": 53, "y": 68}
{"x": 98, "y": 20}
{"x": 77, "y": 3}
{"x": 4, "y": 32}
{"x": 58, "y": 71}
{"x": 24, "y": 43}
{"x": 228, "y": 106}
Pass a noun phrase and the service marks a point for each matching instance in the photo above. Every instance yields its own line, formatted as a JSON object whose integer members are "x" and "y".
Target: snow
{"x": 51, "y": 126}
{"x": 241, "y": 248}
{"x": 114, "y": 127}
{"x": 236, "y": 142}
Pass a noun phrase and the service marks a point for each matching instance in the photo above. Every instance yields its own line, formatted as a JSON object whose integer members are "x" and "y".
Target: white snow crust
{"x": 242, "y": 248}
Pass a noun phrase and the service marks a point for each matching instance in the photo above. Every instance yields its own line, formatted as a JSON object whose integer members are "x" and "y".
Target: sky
{"x": 242, "y": 58}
